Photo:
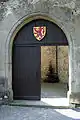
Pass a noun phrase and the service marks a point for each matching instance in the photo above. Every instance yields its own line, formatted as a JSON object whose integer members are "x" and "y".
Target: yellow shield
{"x": 39, "y": 32}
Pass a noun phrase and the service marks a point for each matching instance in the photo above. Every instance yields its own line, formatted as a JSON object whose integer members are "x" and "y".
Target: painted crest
{"x": 39, "y": 32}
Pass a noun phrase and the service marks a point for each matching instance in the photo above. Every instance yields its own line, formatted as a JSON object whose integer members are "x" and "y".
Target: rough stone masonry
{"x": 65, "y": 13}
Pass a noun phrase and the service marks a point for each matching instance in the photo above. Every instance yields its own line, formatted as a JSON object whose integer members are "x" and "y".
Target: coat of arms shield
{"x": 39, "y": 32}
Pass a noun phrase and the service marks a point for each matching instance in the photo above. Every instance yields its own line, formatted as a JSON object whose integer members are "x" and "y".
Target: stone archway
{"x": 9, "y": 43}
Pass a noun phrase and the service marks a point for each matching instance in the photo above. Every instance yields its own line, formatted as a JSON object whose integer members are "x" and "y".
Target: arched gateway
{"x": 26, "y": 56}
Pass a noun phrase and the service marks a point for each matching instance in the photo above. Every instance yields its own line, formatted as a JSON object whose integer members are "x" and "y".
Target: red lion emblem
{"x": 39, "y": 32}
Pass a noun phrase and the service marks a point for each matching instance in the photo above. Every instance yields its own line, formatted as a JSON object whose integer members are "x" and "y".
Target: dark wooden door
{"x": 26, "y": 72}
{"x": 26, "y": 58}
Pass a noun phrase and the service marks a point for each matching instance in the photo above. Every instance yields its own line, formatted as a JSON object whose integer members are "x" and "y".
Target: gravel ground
{"x": 30, "y": 113}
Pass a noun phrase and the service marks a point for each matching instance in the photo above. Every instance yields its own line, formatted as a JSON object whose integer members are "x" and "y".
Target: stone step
{"x": 43, "y": 103}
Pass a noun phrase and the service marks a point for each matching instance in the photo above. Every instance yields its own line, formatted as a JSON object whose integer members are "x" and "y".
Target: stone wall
{"x": 48, "y": 54}
{"x": 63, "y": 63}
{"x": 64, "y": 13}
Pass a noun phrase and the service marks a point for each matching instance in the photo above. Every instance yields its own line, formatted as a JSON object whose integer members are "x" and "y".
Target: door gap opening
{"x": 54, "y": 73}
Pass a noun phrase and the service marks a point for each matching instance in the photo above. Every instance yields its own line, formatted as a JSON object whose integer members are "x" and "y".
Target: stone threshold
{"x": 43, "y": 103}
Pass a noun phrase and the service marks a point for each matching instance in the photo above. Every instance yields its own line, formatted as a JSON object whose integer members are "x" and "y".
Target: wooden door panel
{"x": 26, "y": 72}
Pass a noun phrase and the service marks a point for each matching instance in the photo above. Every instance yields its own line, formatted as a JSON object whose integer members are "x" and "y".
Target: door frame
{"x": 9, "y": 43}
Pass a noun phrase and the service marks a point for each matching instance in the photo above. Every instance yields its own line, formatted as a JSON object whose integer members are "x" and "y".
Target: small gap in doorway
{"x": 54, "y": 72}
